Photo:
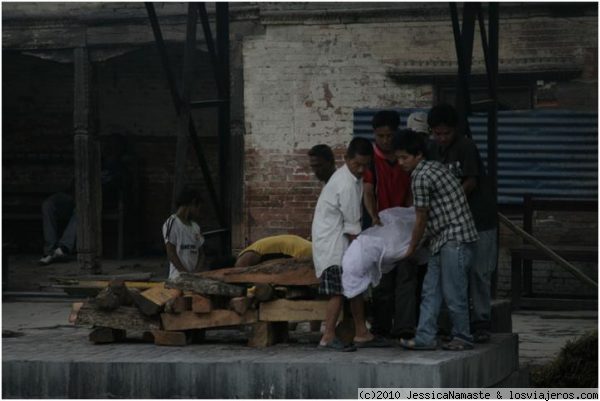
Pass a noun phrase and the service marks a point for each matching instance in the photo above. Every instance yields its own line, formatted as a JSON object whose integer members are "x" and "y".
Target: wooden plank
{"x": 283, "y": 310}
{"x": 205, "y": 286}
{"x": 240, "y": 304}
{"x": 160, "y": 295}
{"x": 201, "y": 304}
{"x": 217, "y": 318}
{"x": 106, "y": 335}
{"x": 274, "y": 272}
{"x": 125, "y": 318}
{"x": 182, "y": 304}
{"x": 265, "y": 334}
{"x": 172, "y": 338}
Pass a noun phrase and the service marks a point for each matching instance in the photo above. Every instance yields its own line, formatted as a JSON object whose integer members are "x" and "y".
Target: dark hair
{"x": 410, "y": 141}
{"x": 386, "y": 118}
{"x": 188, "y": 196}
{"x": 359, "y": 146}
{"x": 322, "y": 151}
{"x": 442, "y": 114}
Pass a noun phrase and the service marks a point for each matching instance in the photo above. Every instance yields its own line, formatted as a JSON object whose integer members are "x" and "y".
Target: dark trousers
{"x": 395, "y": 304}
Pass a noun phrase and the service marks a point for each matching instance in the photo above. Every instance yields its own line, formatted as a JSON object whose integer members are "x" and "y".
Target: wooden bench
{"x": 522, "y": 257}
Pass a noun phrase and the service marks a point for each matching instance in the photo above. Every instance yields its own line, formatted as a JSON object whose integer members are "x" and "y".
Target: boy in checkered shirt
{"x": 444, "y": 218}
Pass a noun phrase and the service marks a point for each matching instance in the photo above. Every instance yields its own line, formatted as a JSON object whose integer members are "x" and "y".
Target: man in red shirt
{"x": 387, "y": 185}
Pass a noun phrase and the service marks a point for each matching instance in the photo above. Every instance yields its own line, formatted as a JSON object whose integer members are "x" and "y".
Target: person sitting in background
{"x": 278, "y": 246}
{"x": 322, "y": 162}
{"x": 61, "y": 205}
{"x": 183, "y": 237}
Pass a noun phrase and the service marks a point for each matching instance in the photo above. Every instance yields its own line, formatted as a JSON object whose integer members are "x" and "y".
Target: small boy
{"x": 183, "y": 239}
{"x": 443, "y": 216}
{"x": 335, "y": 224}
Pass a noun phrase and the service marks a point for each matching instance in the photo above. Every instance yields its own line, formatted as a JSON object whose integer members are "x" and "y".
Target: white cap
{"x": 417, "y": 122}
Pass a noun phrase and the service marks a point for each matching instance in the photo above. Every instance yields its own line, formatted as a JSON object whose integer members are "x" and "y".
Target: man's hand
{"x": 410, "y": 251}
{"x": 377, "y": 221}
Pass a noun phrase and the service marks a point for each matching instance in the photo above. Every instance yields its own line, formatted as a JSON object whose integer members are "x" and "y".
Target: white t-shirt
{"x": 187, "y": 241}
{"x": 338, "y": 212}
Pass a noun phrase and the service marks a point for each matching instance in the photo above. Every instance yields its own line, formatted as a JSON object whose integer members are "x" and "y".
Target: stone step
{"x": 61, "y": 363}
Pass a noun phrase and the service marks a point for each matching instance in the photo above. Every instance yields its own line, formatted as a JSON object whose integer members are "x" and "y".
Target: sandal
{"x": 457, "y": 345}
{"x": 413, "y": 346}
{"x": 375, "y": 342}
{"x": 336, "y": 345}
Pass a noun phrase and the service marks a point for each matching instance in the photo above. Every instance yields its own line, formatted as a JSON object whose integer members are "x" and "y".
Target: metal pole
{"x": 222, "y": 11}
{"x": 176, "y": 102}
{"x": 210, "y": 44}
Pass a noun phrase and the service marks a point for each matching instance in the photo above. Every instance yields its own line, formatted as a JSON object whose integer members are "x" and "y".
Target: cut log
{"x": 74, "y": 311}
{"x": 274, "y": 272}
{"x": 283, "y": 310}
{"x": 106, "y": 335}
{"x": 124, "y": 317}
{"x": 201, "y": 304}
{"x": 181, "y": 304}
{"x": 240, "y": 304}
{"x": 106, "y": 300}
{"x": 175, "y": 338}
{"x": 152, "y": 301}
{"x": 217, "y": 318}
{"x": 265, "y": 334}
{"x": 205, "y": 286}
{"x": 263, "y": 292}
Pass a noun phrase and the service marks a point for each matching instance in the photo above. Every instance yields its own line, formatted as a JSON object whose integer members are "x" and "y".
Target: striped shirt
{"x": 449, "y": 216}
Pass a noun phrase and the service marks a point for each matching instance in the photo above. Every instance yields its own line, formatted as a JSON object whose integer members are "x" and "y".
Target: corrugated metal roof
{"x": 540, "y": 152}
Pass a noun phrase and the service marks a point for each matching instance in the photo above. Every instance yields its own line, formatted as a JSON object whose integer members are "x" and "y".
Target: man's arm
{"x": 371, "y": 202}
{"x": 469, "y": 184}
{"x": 418, "y": 230}
{"x": 200, "y": 265}
{"x": 173, "y": 258}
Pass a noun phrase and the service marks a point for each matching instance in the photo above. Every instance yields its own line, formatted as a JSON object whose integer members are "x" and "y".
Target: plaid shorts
{"x": 331, "y": 281}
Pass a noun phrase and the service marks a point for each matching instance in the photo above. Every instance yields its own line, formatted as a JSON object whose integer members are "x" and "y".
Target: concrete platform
{"x": 62, "y": 363}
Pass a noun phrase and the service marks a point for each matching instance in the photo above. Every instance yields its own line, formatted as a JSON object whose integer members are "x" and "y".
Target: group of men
{"x": 436, "y": 169}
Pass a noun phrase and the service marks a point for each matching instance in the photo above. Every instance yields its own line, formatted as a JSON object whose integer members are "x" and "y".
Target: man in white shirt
{"x": 335, "y": 224}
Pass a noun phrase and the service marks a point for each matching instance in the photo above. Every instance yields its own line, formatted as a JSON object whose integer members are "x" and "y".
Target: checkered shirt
{"x": 449, "y": 216}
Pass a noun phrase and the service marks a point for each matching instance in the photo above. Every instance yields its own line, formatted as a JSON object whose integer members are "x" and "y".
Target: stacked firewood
{"x": 267, "y": 296}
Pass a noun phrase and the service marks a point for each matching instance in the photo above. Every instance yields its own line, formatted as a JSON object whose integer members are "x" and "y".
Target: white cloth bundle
{"x": 377, "y": 249}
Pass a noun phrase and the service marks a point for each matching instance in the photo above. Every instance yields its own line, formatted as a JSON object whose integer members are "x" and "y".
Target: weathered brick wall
{"x": 302, "y": 82}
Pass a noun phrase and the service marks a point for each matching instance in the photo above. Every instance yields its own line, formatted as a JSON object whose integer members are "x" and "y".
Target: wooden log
{"x": 265, "y": 334}
{"x": 173, "y": 338}
{"x": 75, "y": 311}
{"x": 205, "y": 286}
{"x": 283, "y": 310}
{"x": 152, "y": 301}
{"x": 179, "y": 304}
{"x": 201, "y": 304}
{"x": 106, "y": 335}
{"x": 124, "y": 317}
{"x": 217, "y": 318}
{"x": 274, "y": 272}
{"x": 106, "y": 300}
{"x": 240, "y": 304}
{"x": 263, "y": 292}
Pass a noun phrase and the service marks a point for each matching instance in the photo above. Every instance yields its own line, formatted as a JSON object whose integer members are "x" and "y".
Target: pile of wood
{"x": 267, "y": 296}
